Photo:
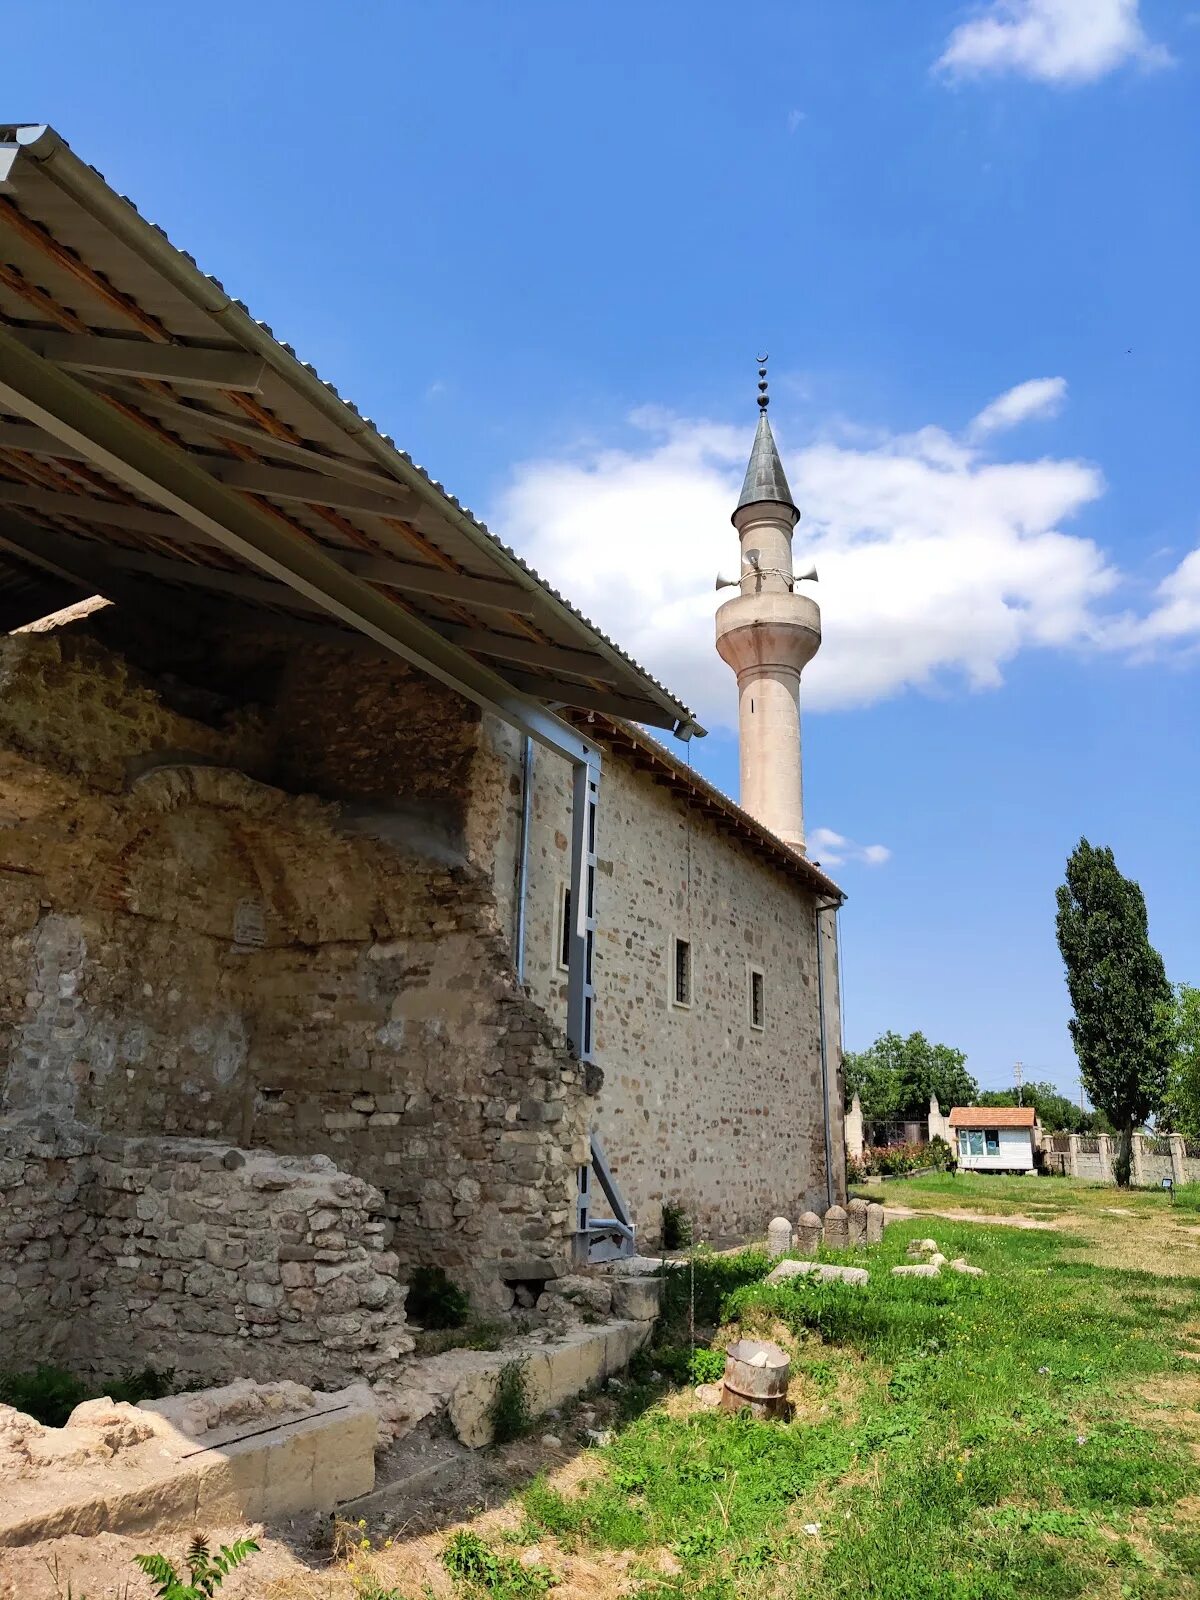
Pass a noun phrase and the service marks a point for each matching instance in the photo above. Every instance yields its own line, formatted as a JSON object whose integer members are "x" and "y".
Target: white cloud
{"x": 1174, "y": 617}
{"x": 1054, "y": 41}
{"x": 794, "y": 118}
{"x": 938, "y": 565}
{"x": 834, "y": 850}
{"x": 1037, "y": 397}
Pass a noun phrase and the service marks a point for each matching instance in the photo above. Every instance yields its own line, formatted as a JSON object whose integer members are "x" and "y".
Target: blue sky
{"x": 541, "y": 245}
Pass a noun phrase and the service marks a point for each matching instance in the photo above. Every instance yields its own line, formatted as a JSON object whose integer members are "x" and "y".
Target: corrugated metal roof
{"x": 88, "y": 285}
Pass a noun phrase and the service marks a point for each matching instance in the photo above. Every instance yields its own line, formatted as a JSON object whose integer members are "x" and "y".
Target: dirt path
{"x": 904, "y": 1213}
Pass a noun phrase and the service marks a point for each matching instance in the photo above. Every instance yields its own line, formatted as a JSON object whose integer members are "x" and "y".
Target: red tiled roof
{"x": 993, "y": 1117}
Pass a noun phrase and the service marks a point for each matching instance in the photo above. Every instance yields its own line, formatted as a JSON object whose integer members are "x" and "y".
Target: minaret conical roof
{"x": 765, "y": 478}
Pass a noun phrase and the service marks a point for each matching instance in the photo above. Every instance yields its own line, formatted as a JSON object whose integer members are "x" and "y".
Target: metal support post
{"x": 580, "y": 994}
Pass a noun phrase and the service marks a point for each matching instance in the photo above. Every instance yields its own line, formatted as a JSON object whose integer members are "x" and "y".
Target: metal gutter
{"x": 818, "y": 909}
{"x": 86, "y": 186}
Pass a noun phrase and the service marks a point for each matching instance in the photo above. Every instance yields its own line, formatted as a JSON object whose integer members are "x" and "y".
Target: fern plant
{"x": 206, "y": 1571}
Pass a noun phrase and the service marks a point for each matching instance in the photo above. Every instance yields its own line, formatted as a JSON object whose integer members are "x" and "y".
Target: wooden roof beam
{"x": 312, "y": 488}
{"x": 196, "y": 367}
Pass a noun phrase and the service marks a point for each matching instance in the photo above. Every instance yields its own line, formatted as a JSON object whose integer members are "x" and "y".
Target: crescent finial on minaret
{"x": 764, "y": 399}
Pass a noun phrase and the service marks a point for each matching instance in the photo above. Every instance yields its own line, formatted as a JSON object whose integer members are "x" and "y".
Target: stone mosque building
{"x": 350, "y": 919}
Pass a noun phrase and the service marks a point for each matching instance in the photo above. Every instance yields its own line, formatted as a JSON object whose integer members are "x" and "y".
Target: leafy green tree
{"x": 1119, "y": 992}
{"x": 895, "y": 1077}
{"x": 1056, "y": 1112}
{"x": 1181, "y": 1107}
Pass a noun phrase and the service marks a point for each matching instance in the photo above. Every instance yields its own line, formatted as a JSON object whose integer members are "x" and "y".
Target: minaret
{"x": 768, "y": 635}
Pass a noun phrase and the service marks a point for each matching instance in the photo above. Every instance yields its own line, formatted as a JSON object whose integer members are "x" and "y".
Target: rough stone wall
{"x": 190, "y": 1255}
{"x": 185, "y": 949}
{"x": 697, "y": 1108}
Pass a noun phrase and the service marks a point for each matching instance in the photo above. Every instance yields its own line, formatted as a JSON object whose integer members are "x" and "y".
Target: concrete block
{"x": 637, "y": 1299}
{"x": 825, "y": 1271}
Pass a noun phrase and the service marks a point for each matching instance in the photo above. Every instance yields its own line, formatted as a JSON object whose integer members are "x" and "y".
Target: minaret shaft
{"x": 768, "y": 635}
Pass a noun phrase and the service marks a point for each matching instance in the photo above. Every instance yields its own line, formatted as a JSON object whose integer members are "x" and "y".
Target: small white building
{"x": 995, "y": 1138}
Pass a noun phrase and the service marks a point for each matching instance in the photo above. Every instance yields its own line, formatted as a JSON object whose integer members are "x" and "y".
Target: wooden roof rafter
{"x": 98, "y": 297}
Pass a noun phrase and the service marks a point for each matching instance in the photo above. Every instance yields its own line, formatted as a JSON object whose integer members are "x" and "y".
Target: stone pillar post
{"x": 939, "y": 1125}
{"x": 875, "y": 1221}
{"x": 854, "y": 1129}
{"x": 856, "y": 1219}
{"x": 1073, "y": 1156}
{"x": 1137, "y": 1164}
{"x": 808, "y": 1234}
{"x": 779, "y": 1237}
{"x": 1104, "y": 1151}
{"x": 1178, "y": 1158}
{"x": 837, "y": 1229}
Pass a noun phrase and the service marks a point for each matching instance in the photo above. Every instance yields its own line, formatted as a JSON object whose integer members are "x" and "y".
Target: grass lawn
{"x": 1033, "y": 1432}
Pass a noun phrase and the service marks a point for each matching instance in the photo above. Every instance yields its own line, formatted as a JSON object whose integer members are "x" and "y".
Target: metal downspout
{"x": 817, "y": 909}
{"x": 523, "y": 852}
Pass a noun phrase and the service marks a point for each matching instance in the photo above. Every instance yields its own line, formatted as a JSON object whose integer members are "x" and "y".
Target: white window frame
{"x": 560, "y": 928}
{"x": 753, "y": 970}
{"x": 672, "y": 958}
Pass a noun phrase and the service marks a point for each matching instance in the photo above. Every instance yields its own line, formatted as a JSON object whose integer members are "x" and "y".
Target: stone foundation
{"x": 187, "y": 1255}
{"x": 189, "y": 948}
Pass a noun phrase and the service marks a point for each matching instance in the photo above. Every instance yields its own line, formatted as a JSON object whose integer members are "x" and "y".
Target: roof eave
{"x": 41, "y": 143}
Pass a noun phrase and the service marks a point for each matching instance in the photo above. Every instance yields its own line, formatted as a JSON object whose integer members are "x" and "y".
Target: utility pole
{"x": 1017, "y": 1070}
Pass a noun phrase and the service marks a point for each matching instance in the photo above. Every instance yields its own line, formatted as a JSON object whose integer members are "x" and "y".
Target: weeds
{"x": 509, "y": 1412}
{"x": 477, "y": 1569}
{"x": 434, "y": 1301}
{"x": 479, "y": 1333}
{"x": 206, "y": 1571}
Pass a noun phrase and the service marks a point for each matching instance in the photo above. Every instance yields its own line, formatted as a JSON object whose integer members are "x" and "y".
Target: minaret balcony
{"x": 768, "y": 631}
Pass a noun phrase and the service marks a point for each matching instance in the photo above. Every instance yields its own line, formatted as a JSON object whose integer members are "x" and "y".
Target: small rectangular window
{"x": 992, "y": 1140}
{"x": 564, "y": 929}
{"x": 681, "y": 972}
{"x": 757, "y": 998}
{"x": 976, "y": 1138}
{"x": 964, "y": 1147}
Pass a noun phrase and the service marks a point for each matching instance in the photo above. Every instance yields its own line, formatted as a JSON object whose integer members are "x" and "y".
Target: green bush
{"x": 676, "y": 1227}
{"x": 434, "y": 1301}
{"x": 898, "y": 1160}
{"x": 49, "y": 1394}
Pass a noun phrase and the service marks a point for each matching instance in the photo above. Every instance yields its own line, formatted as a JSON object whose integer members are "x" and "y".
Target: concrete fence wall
{"x": 1154, "y": 1158}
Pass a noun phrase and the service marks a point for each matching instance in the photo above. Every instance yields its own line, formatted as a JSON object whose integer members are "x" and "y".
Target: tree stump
{"x": 779, "y": 1237}
{"x": 756, "y": 1375}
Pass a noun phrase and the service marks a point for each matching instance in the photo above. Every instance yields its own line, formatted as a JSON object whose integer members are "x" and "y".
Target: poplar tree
{"x": 1119, "y": 992}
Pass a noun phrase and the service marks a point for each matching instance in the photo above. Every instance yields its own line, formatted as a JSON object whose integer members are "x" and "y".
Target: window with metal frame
{"x": 756, "y": 997}
{"x": 681, "y": 972}
{"x": 564, "y": 928}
